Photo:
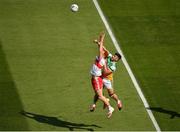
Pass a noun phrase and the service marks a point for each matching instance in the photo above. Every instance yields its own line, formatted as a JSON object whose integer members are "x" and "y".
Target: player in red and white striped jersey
{"x": 96, "y": 80}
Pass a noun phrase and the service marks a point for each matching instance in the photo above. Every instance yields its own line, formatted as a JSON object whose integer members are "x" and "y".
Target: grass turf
{"x": 46, "y": 54}
{"x": 149, "y": 35}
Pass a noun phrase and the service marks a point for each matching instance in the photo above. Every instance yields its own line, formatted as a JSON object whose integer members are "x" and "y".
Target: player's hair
{"x": 119, "y": 56}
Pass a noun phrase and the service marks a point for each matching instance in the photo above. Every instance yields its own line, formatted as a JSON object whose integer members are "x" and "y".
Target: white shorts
{"x": 107, "y": 83}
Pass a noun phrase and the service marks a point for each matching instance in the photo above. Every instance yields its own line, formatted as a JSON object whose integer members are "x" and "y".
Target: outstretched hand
{"x": 102, "y": 33}
{"x": 96, "y": 41}
{"x": 100, "y": 39}
{"x": 101, "y": 36}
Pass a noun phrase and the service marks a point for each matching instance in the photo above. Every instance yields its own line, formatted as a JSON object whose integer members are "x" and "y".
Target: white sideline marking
{"x": 127, "y": 66}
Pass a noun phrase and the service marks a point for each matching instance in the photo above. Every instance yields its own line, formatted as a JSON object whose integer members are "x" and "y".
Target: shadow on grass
{"x": 10, "y": 103}
{"x": 58, "y": 122}
{"x": 172, "y": 114}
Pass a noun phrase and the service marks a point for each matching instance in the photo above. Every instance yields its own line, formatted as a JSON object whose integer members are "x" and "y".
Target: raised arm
{"x": 98, "y": 43}
{"x": 101, "y": 37}
{"x": 101, "y": 42}
{"x": 106, "y": 52}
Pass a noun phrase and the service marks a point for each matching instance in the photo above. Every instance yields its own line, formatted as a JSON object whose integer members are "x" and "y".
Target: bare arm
{"x": 101, "y": 42}
{"x": 105, "y": 51}
{"x": 106, "y": 71}
{"x": 101, "y": 37}
{"x": 98, "y": 43}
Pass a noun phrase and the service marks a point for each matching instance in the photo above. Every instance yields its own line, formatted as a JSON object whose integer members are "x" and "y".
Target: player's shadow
{"x": 172, "y": 114}
{"x": 58, "y": 122}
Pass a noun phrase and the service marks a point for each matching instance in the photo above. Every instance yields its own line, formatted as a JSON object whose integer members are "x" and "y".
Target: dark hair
{"x": 117, "y": 54}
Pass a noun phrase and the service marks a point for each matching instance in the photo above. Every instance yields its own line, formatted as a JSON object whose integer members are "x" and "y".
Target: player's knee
{"x": 100, "y": 96}
{"x": 111, "y": 94}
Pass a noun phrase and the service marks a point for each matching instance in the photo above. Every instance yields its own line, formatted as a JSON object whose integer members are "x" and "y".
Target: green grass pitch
{"x": 149, "y": 34}
{"x": 46, "y": 53}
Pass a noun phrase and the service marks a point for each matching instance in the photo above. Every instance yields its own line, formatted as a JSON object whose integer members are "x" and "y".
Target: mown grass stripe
{"x": 116, "y": 44}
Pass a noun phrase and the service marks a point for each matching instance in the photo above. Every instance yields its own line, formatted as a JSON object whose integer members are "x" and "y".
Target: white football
{"x": 74, "y": 7}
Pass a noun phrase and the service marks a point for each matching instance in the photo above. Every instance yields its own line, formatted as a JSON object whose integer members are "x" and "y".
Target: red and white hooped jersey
{"x": 96, "y": 69}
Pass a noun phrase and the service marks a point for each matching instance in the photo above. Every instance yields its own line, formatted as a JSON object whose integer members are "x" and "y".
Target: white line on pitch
{"x": 127, "y": 66}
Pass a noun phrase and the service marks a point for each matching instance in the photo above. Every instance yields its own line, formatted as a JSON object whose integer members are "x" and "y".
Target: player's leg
{"x": 102, "y": 97}
{"x": 93, "y": 106}
{"x": 97, "y": 84}
{"x": 108, "y": 84}
{"x": 105, "y": 101}
{"x": 95, "y": 99}
{"x": 113, "y": 95}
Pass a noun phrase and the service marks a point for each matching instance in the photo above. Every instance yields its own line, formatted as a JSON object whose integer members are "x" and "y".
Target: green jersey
{"x": 111, "y": 64}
